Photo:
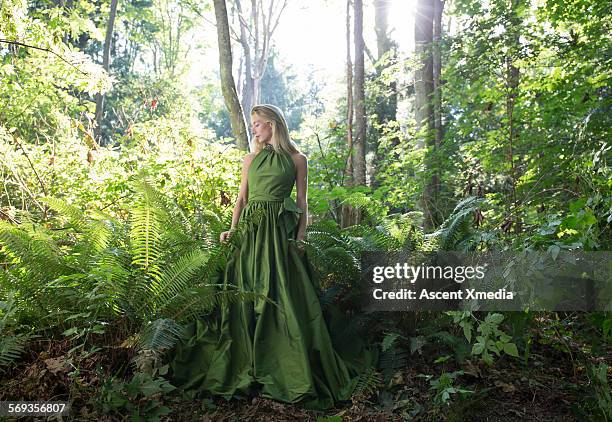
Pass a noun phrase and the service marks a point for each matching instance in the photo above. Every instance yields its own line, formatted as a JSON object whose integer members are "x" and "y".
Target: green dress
{"x": 283, "y": 352}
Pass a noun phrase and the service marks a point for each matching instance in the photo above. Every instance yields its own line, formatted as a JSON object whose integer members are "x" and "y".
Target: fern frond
{"x": 368, "y": 384}
{"x": 202, "y": 299}
{"x": 161, "y": 334}
{"x": 391, "y": 360}
{"x": 145, "y": 238}
{"x": 37, "y": 251}
{"x": 173, "y": 219}
{"x": 175, "y": 278}
{"x": 11, "y": 347}
{"x": 458, "y": 225}
{"x": 389, "y": 341}
{"x": 75, "y": 216}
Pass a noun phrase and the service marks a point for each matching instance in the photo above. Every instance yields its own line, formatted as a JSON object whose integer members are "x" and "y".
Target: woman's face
{"x": 261, "y": 129}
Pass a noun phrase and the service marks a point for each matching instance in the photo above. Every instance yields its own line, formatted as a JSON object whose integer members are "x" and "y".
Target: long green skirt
{"x": 282, "y": 352}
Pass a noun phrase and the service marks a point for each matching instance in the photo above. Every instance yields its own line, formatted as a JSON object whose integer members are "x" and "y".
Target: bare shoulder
{"x": 248, "y": 158}
{"x": 300, "y": 159}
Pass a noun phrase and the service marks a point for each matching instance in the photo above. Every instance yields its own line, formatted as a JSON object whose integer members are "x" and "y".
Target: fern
{"x": 176, "y": 278}
{"x": 389, "y": 340}
{"x": 150, "y": 268}
{"x": 458, "y": 225}
{"x": 393, "y": 359}
{"x": 163, "y": 333}
{"x": 12, "y": 346}
{"x": 145, "y": 237}
{"x": 368, "y": 384}
{"x": 75, "y": 216}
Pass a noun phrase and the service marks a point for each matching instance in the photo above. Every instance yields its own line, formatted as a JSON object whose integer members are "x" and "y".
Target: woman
{"x": 283, "y": 351}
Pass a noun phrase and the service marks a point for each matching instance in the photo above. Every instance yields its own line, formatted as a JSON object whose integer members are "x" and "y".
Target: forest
{"x": 430, "y": 126}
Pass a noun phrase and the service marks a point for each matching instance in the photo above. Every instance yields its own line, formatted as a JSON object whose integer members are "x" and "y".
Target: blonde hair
{"x": 280, "y": 132}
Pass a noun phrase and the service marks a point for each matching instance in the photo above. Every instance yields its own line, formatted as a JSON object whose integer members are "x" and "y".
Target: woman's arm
{"x": 243, "y": 194}
{"x": 301, "y": 183}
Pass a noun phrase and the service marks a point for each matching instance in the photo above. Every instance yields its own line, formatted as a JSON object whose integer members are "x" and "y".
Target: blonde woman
{"x": 283, "y": 352}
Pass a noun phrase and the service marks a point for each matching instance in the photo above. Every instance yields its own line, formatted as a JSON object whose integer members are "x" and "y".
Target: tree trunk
{"x": 345, "y": 213}
{"x": 248, "y": 85}
{"x": 387, "y": 110}
{"x": 260, "y": 29}
{"x": 437, "y": 71}
{"x": 106, "y": 65}
{"x": 359, "y": 167}
{"x": 228, "y": 86}
{"x": 424, "y": 112}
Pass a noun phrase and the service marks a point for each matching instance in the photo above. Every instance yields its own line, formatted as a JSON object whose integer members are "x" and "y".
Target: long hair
{"x": 280, "y": 132}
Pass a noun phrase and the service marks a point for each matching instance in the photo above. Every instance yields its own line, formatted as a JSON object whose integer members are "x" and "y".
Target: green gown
{"x": 283, "y": 352}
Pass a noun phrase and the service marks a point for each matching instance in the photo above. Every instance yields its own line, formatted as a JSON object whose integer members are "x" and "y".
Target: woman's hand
{"x": 225, "y": 236}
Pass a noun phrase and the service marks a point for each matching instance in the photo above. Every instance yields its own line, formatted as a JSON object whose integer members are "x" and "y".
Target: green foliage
{"x": 454, "y": 233}
{"x": 89, "y": 243}
{"x": 155, "y": 278}
{"x": 393, "y": 357}
{"x": 335, "y": 253}
{"x": 12, "y": 344}
{"x": 444, "y": 387}
{"x": 601, "y": 388}
{"x": 369, "y": 383}
{"x": 138, "y": 398}
{"x": 491, "y": 339}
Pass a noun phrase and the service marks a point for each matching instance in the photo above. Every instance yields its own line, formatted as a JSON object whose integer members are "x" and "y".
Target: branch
{"x": 41, "y": 49}
{"x": 278, "y": 18}
{"x": 42, "y": 185}
{"x": 5, "y": 216}
{"x": 369, "y": 53}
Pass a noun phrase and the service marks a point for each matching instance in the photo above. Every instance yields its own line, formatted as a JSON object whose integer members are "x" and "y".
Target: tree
{"x": 386, "y": 55}
{"x": 345, "y": 210}
{"x": 437, "y": 70}
{"x": 256, "y": 41}
{"x": 228, "y": 86}
{"x": 172, "y": 22}
{"x": 424, "y": 112}
{"x": 349, "y": 97}
{"x": 105, "y": 64}
{"x": 359, "y": 167}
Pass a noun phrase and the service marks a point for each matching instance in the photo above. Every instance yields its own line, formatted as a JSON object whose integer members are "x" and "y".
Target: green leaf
{"x": 494, "y": 318}
{"x": 554, "y": 250}
{"x": 510, "y": 349}
{"x": 577, "y": 205}
{"x": 70, "y": 331}
{"x": 467, "y": 330}
{"x": 478, "y": 348}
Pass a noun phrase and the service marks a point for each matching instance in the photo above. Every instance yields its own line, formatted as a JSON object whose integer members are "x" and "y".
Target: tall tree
{"x": 359, "y": 166}
{"x": 228, "y": 87}
{"x": 424, "y": 112}
{"x": 255, "y": 37}
{"x": 346, "y": 212}
{"x": 386, "y": 48}
{"x": 172, "y": 22}
{"x": 437, "y": 70}
{"x": 105, "y": 64}
{"x": 349, "y": 96}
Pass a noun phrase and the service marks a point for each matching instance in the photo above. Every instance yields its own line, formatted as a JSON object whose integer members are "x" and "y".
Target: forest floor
{"x": 554, "y": 386}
